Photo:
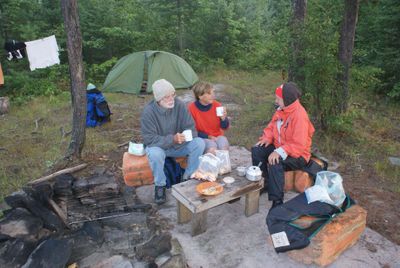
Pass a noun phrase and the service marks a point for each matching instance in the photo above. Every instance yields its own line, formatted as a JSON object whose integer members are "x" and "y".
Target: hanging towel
{"x": 1, "y": 76}
{"x": 42, "y": 53}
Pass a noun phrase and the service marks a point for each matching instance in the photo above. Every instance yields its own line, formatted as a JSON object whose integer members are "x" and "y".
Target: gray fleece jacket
{"x": 159, "y": 125}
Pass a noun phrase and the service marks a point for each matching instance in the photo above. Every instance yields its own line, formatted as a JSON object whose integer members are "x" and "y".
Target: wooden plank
{"x": 186, "y": 193}
{"x": 184, "y": 214}
{"x": 181, "y": 198}
{"x": 252, "y": 203}
{"x": 199, "y": 223}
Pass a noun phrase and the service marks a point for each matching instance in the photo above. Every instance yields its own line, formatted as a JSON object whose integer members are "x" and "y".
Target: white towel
{"x": 42, "y": 53}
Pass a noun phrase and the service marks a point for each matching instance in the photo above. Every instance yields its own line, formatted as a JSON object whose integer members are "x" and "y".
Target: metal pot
{"x": 253, "y": 173}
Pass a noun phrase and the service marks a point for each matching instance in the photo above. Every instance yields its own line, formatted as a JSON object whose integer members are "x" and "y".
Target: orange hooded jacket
{"x": 291, "y": 130}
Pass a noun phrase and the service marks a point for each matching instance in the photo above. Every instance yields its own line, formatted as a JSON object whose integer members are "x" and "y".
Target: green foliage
{"x": 22, "y": 86}
{"x": 365, "y": 79}
{"x": 341, "y": 124}
{"x": 395, "y": 92}
{"x": 96, "y": 73}
{"x": 378, "y": 42}
{"x": 320, "y": 91}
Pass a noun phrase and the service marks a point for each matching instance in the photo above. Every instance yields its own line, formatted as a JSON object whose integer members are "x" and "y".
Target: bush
{"x": 22, "y": 86}
{"x": 365, "y": 78}
{"x": 97, "y": 73}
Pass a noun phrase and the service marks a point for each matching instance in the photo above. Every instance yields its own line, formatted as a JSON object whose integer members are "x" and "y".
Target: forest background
{"x": 225, "y": 41}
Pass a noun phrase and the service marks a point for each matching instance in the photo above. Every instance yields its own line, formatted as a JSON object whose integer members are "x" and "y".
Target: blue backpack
{"x": 172, "y": 171}
{"x": 98, "y": 111}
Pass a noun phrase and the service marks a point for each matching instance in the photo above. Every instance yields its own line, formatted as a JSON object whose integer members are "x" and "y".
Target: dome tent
{"x": 133, "y": 72}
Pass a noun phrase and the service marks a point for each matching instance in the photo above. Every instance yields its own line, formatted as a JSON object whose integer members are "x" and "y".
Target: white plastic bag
{"x": 328, "y": 188}
{"x": 225, "y": 161}
{"x": 208, "y": 168}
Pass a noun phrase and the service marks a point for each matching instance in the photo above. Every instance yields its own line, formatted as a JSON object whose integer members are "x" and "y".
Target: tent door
{"x": 143, "y": 88}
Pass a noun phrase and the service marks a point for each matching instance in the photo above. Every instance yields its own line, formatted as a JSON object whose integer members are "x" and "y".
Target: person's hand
{"x": 179, "y": 138}
{"x": 273, "y": 158}
{"x": 262, "y": 143}
{"x": 224, "y": 114}
{"x": 211, "y": 138}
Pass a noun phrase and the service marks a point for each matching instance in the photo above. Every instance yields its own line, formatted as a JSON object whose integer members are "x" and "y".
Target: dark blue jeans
{"x": 274, "y": 175}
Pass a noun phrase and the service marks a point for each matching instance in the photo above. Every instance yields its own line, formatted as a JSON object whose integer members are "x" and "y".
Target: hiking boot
{"x": 159, "y": 195}
{"x": 276, "y": 203}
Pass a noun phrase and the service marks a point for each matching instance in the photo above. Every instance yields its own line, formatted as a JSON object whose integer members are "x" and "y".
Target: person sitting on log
{"x": 162, "y": 122}
{"x": 285, "y": 143}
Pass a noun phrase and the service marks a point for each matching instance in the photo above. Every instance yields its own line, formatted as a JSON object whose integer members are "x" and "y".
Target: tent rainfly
{"x": 133, "y": 72}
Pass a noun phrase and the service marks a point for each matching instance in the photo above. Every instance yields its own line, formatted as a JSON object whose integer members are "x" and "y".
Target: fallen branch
{"x": 63, "y": 171}
{"x": 123, "y": 144}
{"x": 64, "y": 133}
{"x": 58, "y": 211}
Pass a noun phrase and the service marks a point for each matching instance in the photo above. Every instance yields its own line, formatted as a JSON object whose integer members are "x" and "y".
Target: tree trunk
{"x": 296, "y": 61}
{"x": 180, "y": 28}
{"x": 77, "y": 76}
{"x": 346, "y": 45}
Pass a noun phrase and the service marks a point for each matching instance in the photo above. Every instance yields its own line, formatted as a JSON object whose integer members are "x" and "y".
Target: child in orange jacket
{"x": 286, "y": 141}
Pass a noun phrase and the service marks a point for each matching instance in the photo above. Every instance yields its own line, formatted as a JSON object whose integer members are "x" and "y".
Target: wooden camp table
{"x": 193, "y": 206}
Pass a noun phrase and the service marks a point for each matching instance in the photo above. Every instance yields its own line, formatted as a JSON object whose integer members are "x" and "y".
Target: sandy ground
{"x": 234, "y": 240}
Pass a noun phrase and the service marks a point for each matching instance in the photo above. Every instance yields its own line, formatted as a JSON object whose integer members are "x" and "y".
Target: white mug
{"x": 188, "y": 134}
{"x": 220, "y": 111}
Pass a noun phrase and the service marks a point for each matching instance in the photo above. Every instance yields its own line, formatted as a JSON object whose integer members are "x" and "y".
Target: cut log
{"x": 334, "y": 238}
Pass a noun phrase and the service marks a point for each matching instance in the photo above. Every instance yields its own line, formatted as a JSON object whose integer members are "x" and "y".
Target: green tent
{"x": 132, "y": 73}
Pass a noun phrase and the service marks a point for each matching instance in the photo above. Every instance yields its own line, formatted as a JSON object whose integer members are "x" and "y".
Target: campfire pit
{"x": 100, "y": 221}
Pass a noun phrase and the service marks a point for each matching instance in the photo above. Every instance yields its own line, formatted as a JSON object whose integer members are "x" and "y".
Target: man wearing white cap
{"x": 162, "y": 122}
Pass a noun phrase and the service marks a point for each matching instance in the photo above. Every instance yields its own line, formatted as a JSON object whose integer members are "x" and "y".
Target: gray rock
{"x": 116, "y": 261}
{"x": 177, "y": 261}
{"x": 163, "y": 258}
{"x": 52, "y": 253}
{"x": 394, "y": 161}
{"x": 158, "y": 245}
{"x": 176, "y": 247}
{"x": 19, "y": 223}
{"x": 14, "y": 253}
{"x": 117, "y": 240}
{"x": 85, "y": 241}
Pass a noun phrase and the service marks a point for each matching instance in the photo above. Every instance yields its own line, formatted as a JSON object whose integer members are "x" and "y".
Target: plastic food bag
{"x": 225, "y": 165}
{"x": 208, "y": 168}
{"x": 328, "y": 188}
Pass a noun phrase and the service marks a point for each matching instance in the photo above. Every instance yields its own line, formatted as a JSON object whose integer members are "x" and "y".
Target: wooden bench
{"x": 334, "y": 238}
{"x": 136, "y": 169}
{"x": 192, "y": 206}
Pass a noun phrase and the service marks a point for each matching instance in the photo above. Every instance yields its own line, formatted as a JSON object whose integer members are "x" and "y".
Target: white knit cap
{"x": 162, "y": 88}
